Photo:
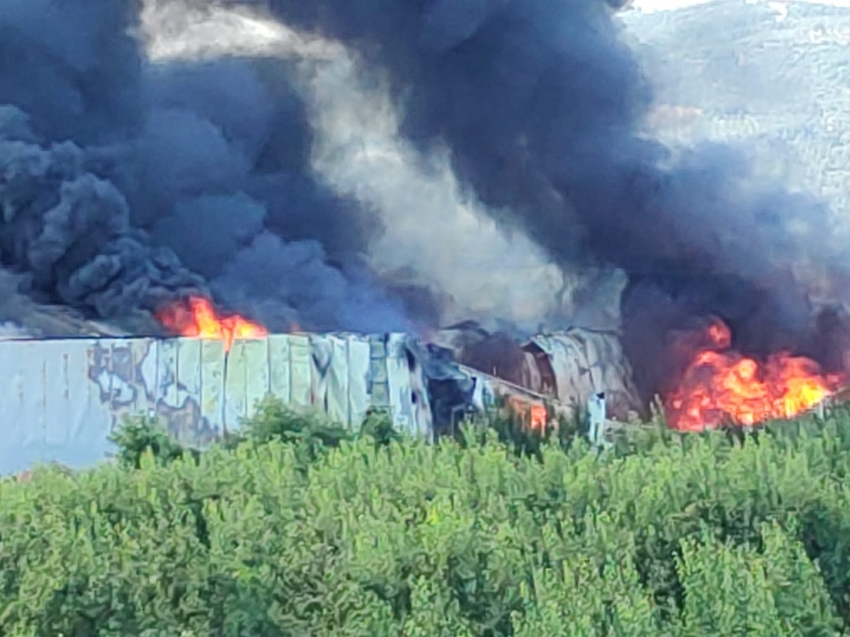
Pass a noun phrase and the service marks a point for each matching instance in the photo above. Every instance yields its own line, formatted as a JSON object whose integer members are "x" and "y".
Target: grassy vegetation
{"x": 299, "y": 527}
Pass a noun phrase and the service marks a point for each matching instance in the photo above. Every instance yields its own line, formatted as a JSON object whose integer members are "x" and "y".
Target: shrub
{"x": 141, "y": 434}
{"x": 302, "y": 528}
{"x": 311, "y": 434}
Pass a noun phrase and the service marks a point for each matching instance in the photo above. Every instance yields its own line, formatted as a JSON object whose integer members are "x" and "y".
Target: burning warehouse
{"x": 360, "y": 169}
{"x": 67, "y": 394}
{"x": 63, "y": 396}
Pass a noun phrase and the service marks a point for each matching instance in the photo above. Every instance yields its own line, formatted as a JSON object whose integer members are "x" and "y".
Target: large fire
{"x": 721, "y": 386}
{"x": 197, "y": 318}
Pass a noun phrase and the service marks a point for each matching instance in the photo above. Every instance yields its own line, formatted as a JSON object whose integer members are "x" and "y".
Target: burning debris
{"x": 721, "y": 386}
{"x": 569, "y": 366}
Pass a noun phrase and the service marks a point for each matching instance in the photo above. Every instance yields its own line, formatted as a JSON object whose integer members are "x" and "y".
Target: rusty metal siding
{"x": 60, "y": 399}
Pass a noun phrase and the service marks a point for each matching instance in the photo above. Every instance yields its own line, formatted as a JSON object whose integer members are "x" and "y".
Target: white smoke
{"x": 12, "y": 331}
{"x": 191, "y": 30}
{"x": 432, "y": 228}
{"x": 435, "y": 234}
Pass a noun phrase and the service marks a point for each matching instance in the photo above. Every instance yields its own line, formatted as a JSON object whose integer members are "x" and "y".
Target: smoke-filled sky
{"x": 376, "y": 165}
{"x": 154, "y": 150}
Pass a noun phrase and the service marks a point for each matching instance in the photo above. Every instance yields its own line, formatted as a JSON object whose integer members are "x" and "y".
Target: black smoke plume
{"x": 123, "y": 182}
{"x": 542, "y": 104}
{"x": 126, "y": 184}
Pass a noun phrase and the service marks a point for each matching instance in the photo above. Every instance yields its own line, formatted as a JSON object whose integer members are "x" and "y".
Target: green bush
{"x": 310, "y": 434}
{"x": 302, "y": 528}
{"x": 138, "y": 435}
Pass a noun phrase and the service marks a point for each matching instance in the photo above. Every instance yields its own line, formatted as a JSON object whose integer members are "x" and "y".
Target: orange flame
{"x": 721, "y": 386}
{"x": 196, "y": 318}
{"x": 534, "y": 415}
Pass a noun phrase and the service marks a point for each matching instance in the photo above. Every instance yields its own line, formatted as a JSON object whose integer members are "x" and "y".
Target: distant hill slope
{"x": 773, "y": 77}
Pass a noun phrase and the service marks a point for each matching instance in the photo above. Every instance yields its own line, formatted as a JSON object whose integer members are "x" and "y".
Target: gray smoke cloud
{"x": 435, "y": 233}
{"x": 540, "y": 105}
{"x": 144, "y": 156}
{"x": 70, "y": 230}
{"x": 127, "y": 183}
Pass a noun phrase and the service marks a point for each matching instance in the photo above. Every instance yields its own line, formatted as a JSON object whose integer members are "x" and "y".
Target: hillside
{"x": 770, "y": 77}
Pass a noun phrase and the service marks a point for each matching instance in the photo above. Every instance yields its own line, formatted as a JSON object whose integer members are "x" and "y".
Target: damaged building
{"x": 62, "y": 397}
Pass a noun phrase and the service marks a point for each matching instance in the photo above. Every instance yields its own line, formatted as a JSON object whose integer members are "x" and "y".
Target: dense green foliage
{"x": 301, "y": 528}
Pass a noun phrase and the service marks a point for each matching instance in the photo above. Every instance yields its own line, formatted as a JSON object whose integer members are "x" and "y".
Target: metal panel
{"x": 330, "y": 376}
{"x": 246, "y": 380}
{"x": 586, "y": 362}
{"x": 336, "y": 400}
{"x": 398, "y": 380}
{"x": 25, "y": 414}
{"x": 88, "y": 434}
{"x": 60, "y": 399}
{"x": 189, "y": 370}
{"x": 56, "y": 407}
{"x": 49, "y": 408}
{"x": 300, "y": 361}
{"x": 422, "y": 423}
{"x": 124, "y": 373}
{"x": 167, "y": 376}
{"x": 256, "y": 352}
{"x": 321, "y": 356}
{"x": 84, "y": 397}
{"x": 596, "y": 415}
{"x": 280, "y": 381}
{"x": 181, "y": 410}
{"x": 379, "y": 388}
{"x": 145, "y": 367}
{"x": 235, "y": 375}
{"x": 212, "y": 384}
{"x": 358, "y": 380}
